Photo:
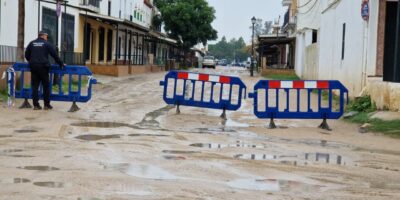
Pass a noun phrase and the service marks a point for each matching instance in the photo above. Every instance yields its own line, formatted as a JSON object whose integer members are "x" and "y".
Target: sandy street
{"x": 126, "y": 143}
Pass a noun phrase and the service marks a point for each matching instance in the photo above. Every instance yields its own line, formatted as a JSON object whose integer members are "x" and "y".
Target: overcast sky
{"x": 233, "y": 16}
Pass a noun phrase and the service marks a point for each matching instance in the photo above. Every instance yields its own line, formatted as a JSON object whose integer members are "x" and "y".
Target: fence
{"x": 8, "y": 54}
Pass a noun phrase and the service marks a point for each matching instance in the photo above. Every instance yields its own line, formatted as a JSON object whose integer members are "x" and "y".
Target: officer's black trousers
{"x": 40, "y": 75}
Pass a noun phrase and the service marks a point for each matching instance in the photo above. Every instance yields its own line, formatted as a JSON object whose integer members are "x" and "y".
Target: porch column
{"x": 126, "y": 45}
{"x": 117, "y": 46}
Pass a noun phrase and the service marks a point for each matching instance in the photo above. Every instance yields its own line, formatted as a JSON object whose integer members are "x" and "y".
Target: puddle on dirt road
{"x": 307, "y": 158}
{"x": 21, "y": 156}
{"x": 21, "y": 180}
{"x": 179, "y": 152}
{"x": 149, "y": 172}
{"x": 232, "y": 123}
{"x": 271, "y": 185}
{"x": 170, "y": 157}
{"x": 25, "y": 131}
{"x": 100, "y": 124}
{"x": 39, "y": 168}
{"x": 49, "y": 184}
{"x": 149, "y": 119}
{"x": 97, "y": 137}
{"x": 5, "y": 151}
{"x": 238, "y": 144}
{"x": 148, "y": 135}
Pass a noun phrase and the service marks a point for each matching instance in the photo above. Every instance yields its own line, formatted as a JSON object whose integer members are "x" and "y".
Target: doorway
{"x": 390, "y": 38}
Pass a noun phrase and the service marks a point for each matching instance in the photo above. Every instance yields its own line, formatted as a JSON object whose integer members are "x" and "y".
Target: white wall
{"x": 9, "y": 22}
{"x": 360, "y": 45}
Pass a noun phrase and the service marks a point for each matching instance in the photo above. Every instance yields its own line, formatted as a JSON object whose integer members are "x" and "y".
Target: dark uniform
{"x": 37, "y": 53}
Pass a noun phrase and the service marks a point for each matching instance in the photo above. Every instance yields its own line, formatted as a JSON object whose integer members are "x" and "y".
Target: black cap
{"x": 42, "y": 33}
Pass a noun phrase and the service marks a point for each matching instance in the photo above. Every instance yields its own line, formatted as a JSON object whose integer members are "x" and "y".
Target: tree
{"x": 232, "y": 50}
{"x": 21, "y": 31}
{"x": 188, "y": 21}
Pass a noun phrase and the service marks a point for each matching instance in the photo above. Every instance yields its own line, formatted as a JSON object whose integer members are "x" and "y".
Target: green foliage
{"x": 282, "y": 76}
{"x": 234, "y": 49}
{"x": 188, "y": 21}
{"x": 388, "y": 127}
{"x": 3, "y": 95}
{"x": 362, "y": 104}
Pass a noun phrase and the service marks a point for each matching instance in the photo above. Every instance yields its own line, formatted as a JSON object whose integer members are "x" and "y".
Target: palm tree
{"x": 21, "y": 30}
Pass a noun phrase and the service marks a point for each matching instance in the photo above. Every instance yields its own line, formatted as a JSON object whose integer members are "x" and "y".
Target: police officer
{"x": 37, "y": 53}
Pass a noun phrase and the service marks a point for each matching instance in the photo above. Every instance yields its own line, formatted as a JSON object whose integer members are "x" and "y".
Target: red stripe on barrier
{"x": 224, "y": 79}
{"x": 203, "y": 77}
{"x": 183, "y": 75}
{"x": 298, "y": 84}
{"x": 274, "y": 84}
{"x": 322, "y": 84}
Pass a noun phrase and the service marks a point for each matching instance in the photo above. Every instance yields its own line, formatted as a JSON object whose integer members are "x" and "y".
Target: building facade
{"x": 335, "y": 40}
{"x": 92, "y": 32}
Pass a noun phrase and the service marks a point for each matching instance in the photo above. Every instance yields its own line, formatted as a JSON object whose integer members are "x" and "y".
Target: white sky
{"x": 233, "y": 16}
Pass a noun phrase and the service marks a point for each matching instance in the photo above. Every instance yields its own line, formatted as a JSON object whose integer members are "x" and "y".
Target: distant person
{"x": 37, "y": 53}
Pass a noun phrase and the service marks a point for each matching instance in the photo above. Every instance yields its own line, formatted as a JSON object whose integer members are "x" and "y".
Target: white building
{"x": 99, "y": 32}
{"x": 335, "y": 42}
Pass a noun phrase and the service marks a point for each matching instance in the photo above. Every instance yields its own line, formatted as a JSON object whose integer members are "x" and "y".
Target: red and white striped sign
{"x": 298, "y": 84}
{"x": 204, "y": 77}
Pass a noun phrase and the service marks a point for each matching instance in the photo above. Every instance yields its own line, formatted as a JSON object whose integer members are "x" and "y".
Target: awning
{"x": 102, "y": 18}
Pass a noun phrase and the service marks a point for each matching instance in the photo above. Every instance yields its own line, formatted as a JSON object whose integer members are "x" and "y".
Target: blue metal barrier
{"x": 69, "y": 94}
{"x": 268, "y": 102}
{"x": 203, "y": 90}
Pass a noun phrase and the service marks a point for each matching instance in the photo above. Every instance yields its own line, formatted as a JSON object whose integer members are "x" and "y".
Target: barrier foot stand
{"x": 324, "y": 125}
{"x": 74, "y": 107}
{"x": 272, "y": 124}
{"x": 223, "y": 115}
{"x": 178, "y": 111}
{"x": 26, "y": 104}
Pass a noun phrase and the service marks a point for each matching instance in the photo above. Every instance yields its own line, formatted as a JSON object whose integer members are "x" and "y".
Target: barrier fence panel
{"x": 203, "y": 90}
{"x": 71, "y": 84}
{"x": 275, "y": 99}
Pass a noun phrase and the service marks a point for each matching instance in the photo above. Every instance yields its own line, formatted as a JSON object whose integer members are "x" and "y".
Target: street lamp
{"x": 253, "y": 21}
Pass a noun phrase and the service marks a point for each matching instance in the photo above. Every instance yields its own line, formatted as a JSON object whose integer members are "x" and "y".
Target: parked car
{"x": 209, "y": 62}
{"x": 223, "y": 62}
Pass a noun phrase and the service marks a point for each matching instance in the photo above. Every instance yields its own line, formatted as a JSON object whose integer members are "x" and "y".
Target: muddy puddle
{"x": 272, "y": 185}
{"x": 21, "y": 180}
{"x": 170, "y": 157}
{"x": 25, "y": 131}
{"x": 149, "y": 172}
{"x": 232, "y": 123}
{"x": 148, "y": 135}
{"x": 238, "y": 144}
{"x": 101, "y": 124}
{"x": 49, "y": 184}
{"x": 97, "y": 137}
{"x": 39, "y": 168}
{"x": 305, "y": 159}
{"x": 179, "y": 152}
{"x": 149, "y": 119}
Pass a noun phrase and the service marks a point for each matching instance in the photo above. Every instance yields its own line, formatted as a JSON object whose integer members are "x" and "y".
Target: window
{"x": 343, "y": 39}
{"x": 109, "y": 8}
{"x": 314, "y": 36}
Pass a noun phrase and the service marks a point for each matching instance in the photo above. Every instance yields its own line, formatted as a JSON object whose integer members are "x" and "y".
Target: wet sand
{"x": 126, "y": 143}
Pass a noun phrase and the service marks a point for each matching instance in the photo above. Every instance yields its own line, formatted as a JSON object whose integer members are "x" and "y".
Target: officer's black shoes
{"x": 48, "y": 107}
{"x": 37, "y": 108}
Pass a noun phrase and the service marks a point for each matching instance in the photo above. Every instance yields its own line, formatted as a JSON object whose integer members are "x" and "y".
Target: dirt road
{"x": 128, "y": 144}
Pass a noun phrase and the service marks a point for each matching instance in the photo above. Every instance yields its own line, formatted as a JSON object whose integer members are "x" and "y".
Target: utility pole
{"x": 253, "y": 21}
